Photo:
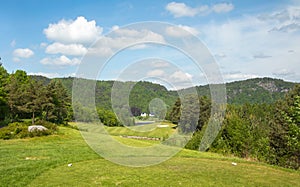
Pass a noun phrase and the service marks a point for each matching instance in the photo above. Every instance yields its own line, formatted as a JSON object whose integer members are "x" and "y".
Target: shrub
{"x": 20, "y": 130}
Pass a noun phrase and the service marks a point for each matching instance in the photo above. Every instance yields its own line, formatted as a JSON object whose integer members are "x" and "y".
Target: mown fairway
{"x": 44, "y": 162}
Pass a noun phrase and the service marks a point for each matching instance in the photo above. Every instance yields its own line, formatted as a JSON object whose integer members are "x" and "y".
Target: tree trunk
{"x": 32, "y": 118}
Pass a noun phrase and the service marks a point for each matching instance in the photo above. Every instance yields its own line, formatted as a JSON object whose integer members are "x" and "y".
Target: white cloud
{"x": 160, "y": 64}
{"x": 122, "y": 38}
{"x": 100, "y": 50}
{"x": 115, "y": 27}
{"x": 73, "y": 31}
{"x": 72, "y": 37}
{"x": 286, "y": 20}
{"x": 183, "y": 10}
{"x": 238, "y": 76}
{"x": 251, "y": 48}
{"x": 181, "y": 31}
{"x": 70, "y": 49}
{"x": 137, "y": 35}
{"x": 52, "y": 75}
{"x": 179, "y": 76}
{"x": 22, "y": 53}
{"x": 49, "y": 75}
{"x": 60, "y": 61}
{"x": 222, "y": 7}
{"x": 155, "y": 73}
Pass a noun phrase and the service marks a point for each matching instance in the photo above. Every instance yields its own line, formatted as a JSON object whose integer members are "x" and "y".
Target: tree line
{"x": 265, "y": 132}
{"x": 22, "y": 97}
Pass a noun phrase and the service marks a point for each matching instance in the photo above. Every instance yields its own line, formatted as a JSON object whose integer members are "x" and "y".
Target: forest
{"x": 263, "y": 132}
{"x": 262, "y": 119}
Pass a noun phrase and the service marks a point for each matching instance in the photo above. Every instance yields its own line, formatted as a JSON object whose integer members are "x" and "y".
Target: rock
{"x": 36, "y": 128}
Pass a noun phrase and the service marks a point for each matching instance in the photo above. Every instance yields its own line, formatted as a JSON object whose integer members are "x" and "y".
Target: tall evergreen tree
{"x": 285, "y": 134}
{"x": 58, "y": 110}
{"x": 36, "y": 98}
{"x": 17, "y": 94}
{"x": 3, "y": 94}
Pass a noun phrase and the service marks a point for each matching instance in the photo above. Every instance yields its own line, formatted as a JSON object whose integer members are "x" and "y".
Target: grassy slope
{"x": 47, "y": 159}
{"x": 143, "y": 130}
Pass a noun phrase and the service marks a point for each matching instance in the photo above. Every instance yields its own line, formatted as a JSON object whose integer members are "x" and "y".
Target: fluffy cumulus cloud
{"x": 22, "y": 53}
{"x": 73, "y": 31}
{"x": 60, "y": 61}
{"x": 181, "y": 31}
{"x": 71, "y": 38}
{"x": 183, "y": 10}
{"x": 69, "y": 49}
{"x": 175, "y": 78}
{"x": 122, "y": 38}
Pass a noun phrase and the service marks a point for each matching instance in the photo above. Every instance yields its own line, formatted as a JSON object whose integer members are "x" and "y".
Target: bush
{"x": 20, "y": 130}
{"x": 50, "y": 126}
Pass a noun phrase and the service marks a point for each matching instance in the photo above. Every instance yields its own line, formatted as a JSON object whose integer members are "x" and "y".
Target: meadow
{"x": 43, "y": 161}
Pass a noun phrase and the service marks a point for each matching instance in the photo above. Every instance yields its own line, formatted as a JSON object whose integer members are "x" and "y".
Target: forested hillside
{"x": 265, "y": 132}
{"x": 258, "y": 90}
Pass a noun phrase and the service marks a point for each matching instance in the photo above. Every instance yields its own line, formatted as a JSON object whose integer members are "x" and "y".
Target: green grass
{"x": 142, "y": 130}
{"x": 43, "y": 161}
{"x": 42, "y": 153}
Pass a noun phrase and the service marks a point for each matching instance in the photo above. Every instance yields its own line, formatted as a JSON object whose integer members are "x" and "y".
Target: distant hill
{"x": 40, "y": 78}
{"x": 141, "y": 94}
{"x": 258, "y": 90}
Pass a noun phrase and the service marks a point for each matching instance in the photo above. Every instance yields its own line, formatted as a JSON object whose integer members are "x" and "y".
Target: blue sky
{"x": 247, "y": 38}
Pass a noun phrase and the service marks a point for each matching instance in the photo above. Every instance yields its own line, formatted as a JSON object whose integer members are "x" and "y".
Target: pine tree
{"x": 36, "y": 98}
{"x": 3, "y": 94}
{"x": 60, "y": 101}
{"x": 17, "y": 94}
